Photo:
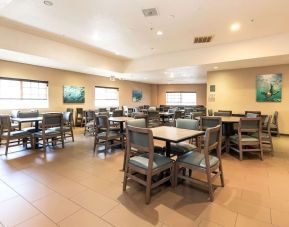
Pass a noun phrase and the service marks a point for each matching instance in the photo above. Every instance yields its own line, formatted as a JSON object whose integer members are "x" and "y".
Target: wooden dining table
{"x": 175, "y": 135}
{"x": 121, "y": 121}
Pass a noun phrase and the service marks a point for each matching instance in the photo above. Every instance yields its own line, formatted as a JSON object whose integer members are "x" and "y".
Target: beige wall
{"x": 200, "y": 89}
{"x": 58, "y": 78}
{"x": 236, "y": 91}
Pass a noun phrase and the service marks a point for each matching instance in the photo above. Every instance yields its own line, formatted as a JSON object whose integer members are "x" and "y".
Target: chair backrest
{"x": 226, "y": 111}
{"x": 266, "y": 123}
{"x": 212, "y": 141}
{"x": 171, "y": 110}
{"x": 52, "y": 120}
{"x": 187, "y": 124}
{"x": 102, "y": 110}
{"x": 14, "y": 113}
{"x": 250, "y": 125}
{"x": 117, "y": 113}
{"x": 103, "y": 113}
{"x": 111, "y": 109}
{"x": 141, "y": 115}
{"x": 146, "y": 106}
{"x": 177, "y": 114}
{"x": 33, "y": 113}
{"x": 5, "y": 123}
{"x": 67, "y": 118}
{"x": 152, "y": 108}
{"x": 153, "y": 114}
{"x": 210, "y": 112}
{"x": 209, "y": 122}
{"x": 250, "y": 113}
{"x": 141, "y": 123}
{"x": 196, "y": 114}
{"x": 227, "y": 114}
{"x": 101, "y": 122}
{"x": 70, "y": 110}
{"x": 275, "y": 118}
{"x": 188, "y": 111}
{"x": 136, "y": 109}
{"x": 140, "y": 139}
{"x": 89, "y": 115}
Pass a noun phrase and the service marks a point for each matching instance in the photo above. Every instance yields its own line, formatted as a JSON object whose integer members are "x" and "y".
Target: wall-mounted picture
{"x": 269, "y": 88}
{"x": 73, "y": 94}
{"x": 136, "y": 95}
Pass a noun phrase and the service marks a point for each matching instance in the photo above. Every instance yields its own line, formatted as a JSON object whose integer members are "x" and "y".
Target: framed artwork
{"x": 269, "y": 88}
{"x": 212, "y": 88}
{"x": 73, "y": 94}
{"x": 136, "y": 95}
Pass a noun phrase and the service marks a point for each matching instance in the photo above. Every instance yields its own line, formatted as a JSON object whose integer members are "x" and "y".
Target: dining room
{"x": 124, "y": 114}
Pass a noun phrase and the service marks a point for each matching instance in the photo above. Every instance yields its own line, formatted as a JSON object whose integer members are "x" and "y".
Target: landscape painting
{"x": 269, "y": 88}
{"x": 73, "y": 94}
{"x": 136, "y": 96}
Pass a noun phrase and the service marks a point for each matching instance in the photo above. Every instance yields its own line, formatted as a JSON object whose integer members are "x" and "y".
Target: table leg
{"x": 121, "y": 127}
{"x": 168, "y": 148}
{"x": 36, "y": 130}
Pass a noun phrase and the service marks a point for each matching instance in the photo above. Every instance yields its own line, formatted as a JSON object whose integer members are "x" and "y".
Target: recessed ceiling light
{"x": 216, "y": 67}
{"x": 235, "y": 27}
{"x": 159, "y": 33}
{"x": 48, "y": 3}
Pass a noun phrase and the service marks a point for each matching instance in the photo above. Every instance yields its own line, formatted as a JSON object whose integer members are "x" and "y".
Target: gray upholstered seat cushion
{"x": 142, "y": 161}
{"x": 197, "y": 159}
{"x": 110, "y": 134}
{"x": 245, "y": 138}
{"x": 48, "y": 132}
{"x": 182, "y": 147}
{"x": 64, "y": 129}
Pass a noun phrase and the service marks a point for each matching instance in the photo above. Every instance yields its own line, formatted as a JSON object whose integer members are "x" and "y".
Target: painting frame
{"x": 137, "y": 95}
{"x": 269, "y": 87}
{"x": 73, "y": 94}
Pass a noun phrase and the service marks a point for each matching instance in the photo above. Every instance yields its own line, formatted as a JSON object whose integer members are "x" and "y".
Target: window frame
{"x": 104, "y": 87}
{"x": 180, "y": 99}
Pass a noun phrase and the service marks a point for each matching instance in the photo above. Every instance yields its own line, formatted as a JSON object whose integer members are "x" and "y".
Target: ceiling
{"x": 119, "y": 27}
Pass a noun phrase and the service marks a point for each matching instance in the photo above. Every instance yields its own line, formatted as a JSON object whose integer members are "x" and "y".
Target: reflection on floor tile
{"x": 74, "y": 187}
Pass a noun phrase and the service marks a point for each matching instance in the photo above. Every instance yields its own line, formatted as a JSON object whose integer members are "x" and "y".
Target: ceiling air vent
{"x": 203, "y": 39}
{"x": 150, "y": 12}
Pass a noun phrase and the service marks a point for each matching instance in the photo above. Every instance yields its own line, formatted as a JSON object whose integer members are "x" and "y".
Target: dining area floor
{"x": 75, "y": 187}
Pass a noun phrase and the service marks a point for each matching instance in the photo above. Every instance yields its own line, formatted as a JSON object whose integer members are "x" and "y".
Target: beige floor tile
{"x": 56, "y": 207}
{"x": 243, "y": 221}
{"x": 37, "y": 221}
{"x": 15, "y": 211}
{"x": 16, "y": 179}
{"x": 94, "y": 202}
{"x": 205, "y": 223}
{"x": 280, "y": 218}
{"x": 122, "y": 217}
{"x": 85, "y": 219}
{"x": 6, "y": 192}
{"x": 219, "y": 215}
{"x": 33, "y": 190}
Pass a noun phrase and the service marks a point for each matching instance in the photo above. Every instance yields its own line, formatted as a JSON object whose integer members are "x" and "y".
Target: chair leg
{"x": 62, "y": 140}
{"x": 210, "y": 185}
{"x": 72, "y": 135}
{"x": 272, "y": 148}
{"x": 7, "y": 145}
{"x": 44, "y": 144}
{"x": 222, "y": 175}
{"x": 241, "y": 151}
{"x": 175, "y": 175}
{"x": 148, "y": 189}
{"x": 94, "y": 145}
{"x": 261, "y": 151}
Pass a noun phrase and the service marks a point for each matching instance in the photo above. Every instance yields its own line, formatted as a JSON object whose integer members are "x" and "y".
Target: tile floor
{"x": 72, "y": 187}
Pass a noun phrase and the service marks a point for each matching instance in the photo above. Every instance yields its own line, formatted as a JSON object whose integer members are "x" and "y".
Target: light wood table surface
{"x": 175, "y": 135}
{"x": 121, "y": 120}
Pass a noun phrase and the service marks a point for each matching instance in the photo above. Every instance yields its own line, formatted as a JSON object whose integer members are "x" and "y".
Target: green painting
{"x": 73, "y": 94}
{"x": 269, "y": 88}
{"x": 136, "y": 96}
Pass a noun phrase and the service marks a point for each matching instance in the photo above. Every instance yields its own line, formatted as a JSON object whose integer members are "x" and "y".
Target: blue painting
{"x": 136, "y": 96}
{"x": 269, "y": 88}
{"x": 73, "y": 94}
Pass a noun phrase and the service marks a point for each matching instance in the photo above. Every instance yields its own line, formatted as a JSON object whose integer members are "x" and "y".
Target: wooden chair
{"x": 71, "y": 110}
{"x": 153, "y": 119}
{"x": 79, "y": 119}
{"x": 203, "y": 162}
{"x": 226, "y": 111}
{"x": 11, "y": 136}
{"x": 219, "y": 114}
{"x": 196, "y": 114}
{"x": 177, "y": 115}
{"x": 89, "y": 122}
{"x": 102, "y": 110}
{"x": 68, "y": 125}
{"x": 139, "y": 115}
{"x": 210, "y": 112}
{"x": 248, "y": 138}
{"x": 52, "y": 128}
{"x": 147, "y": 163}
{"x": 103, "y": 134}
{"x": 266, "y": 135}
{"x": 117, "y": 113}
{"x": 274, "y": 127}
{"x": 184, "y": 147}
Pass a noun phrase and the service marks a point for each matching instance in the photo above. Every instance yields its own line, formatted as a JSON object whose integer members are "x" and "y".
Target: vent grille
{"x": 203, "y": 39}
{"x": 150, "y": 12}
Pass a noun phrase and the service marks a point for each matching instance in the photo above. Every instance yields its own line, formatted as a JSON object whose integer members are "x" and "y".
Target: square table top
{"x": 28, "y": 119}
{"x": 120, "y": 119}
{"x": 174, "y": 134}
{"x": 225, "y": 119}
{"x": 166, "y": 114}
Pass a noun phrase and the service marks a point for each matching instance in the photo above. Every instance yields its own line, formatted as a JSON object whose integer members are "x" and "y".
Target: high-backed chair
{"x": 203, "y": 162}
{"x": 274, "y": 127}
{"x": 153, "y": 119}
{"x": 52, "y": 128}
{"x": 177, "y": 115}
{"x": 12, "y": 137}
{"x": 226, "y": 114}
{"x": 226, "y": 111}
{"x": 103, "y": 135}
{"x": 266, "y": 134}
{"x": 196, "y": 114}
{"x": 184, "y": 147}
{"x": 248, "y": 138}
{"x": 210, "y": 112}
{"x": 140, "y": 115}
{"x": 71, "y": 110}
{"x": 89, "y": 122}
{"x": 117, "y": 113}
{"x": 147, "y": 162}
{"x": 102, "y": 109}
{"x": 79, "y": 119}
{"x": 67, "y": 125}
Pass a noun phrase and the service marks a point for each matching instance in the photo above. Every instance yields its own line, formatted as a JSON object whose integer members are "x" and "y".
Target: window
{"x": 106, "y": 97}
{"x": 181, "y": 98}
{"x": 20, "y": 94}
